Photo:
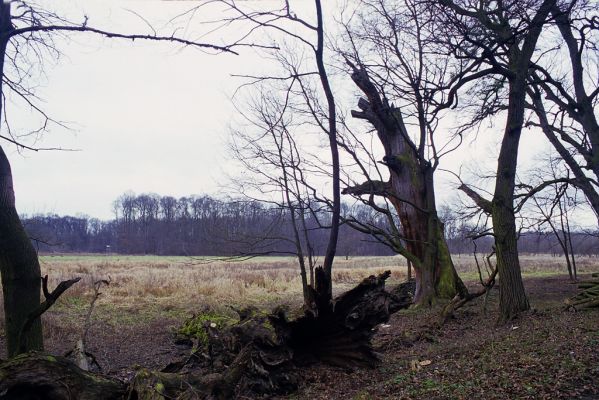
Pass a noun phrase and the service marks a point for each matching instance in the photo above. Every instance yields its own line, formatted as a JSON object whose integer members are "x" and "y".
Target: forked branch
{"x": 51, "y": 298}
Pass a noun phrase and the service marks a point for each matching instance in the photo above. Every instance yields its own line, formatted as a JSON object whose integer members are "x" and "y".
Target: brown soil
{"x": 548, "y": 353}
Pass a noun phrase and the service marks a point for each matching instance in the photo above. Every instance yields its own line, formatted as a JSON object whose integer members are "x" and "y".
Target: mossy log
{"x": 588, "y": 297}
{"x": 35, "y": 375}
{"x": 257, "y": 356}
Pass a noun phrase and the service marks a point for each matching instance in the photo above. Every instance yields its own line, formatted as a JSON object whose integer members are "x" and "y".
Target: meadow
{"x": 146, "y": 288}
{"x": 183, "y": 284}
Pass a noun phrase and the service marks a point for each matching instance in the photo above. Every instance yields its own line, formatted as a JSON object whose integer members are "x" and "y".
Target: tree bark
{"x": 20, "y": 269}
{"x": 42, "y": 376}
{"x": 520, "y": 48}
{"x": 19, "y": 266}
{"x": 411, "y": 192}
{"x": 512, "y": 297}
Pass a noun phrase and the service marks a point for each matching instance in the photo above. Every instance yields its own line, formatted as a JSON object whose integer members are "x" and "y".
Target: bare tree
{"x": 503, "y": 38}
{"x": 565, "y": 103}
{"x": 395, "y": 64}
{"x": 270, "y": 153}
{"x": 309, "y": 77}
{"x": 555, "y": 204}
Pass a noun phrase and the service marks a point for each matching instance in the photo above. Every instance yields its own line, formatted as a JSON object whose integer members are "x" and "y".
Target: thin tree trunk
{"x": 332, "y": 134}
{"x": 574, "y": 272}
{"x": 296, "y": 237}
{"x": 565, "y": 233}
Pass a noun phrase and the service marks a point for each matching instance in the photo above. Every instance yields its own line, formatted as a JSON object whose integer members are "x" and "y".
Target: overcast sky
{"x": 146, "y": 117}
{"x": 149, "y": 117}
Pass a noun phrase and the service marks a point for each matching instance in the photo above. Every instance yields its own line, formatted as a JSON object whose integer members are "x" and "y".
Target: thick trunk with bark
{"x": 414, "y": 200}
{"x": 512, "y": 297}
{"x": 411, "y": 191}
{"x": 19, "y": 266}
{"x": 20, "y": 269}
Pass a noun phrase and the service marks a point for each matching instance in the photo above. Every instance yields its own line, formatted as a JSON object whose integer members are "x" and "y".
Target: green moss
{"x": 159, "y": 387}
{"x": 51, "y": 358}
{"x": 407, "y": 161}
{"x": 196, "y": 325}
{"x": 446, "y": 285}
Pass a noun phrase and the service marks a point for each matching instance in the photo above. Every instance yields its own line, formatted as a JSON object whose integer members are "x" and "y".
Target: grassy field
{"x": 152, "y": 284}
{"x": 147, "y": 287}
{"x": 182, "y": 284}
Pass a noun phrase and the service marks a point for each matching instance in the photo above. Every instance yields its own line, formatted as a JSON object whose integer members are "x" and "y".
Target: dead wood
{"x": 79, "y": 354}
{"x": 261, "y": 354}
{"x": 40, "y": 376}
{"x": 588, "y": 297}
{"x": 50, "y": 299}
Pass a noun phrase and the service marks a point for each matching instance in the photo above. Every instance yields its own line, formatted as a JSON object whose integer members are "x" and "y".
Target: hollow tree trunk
{"x": 414, "y": 200}
{"x": 411, "y": 192}
{"x": 20, "y": 269}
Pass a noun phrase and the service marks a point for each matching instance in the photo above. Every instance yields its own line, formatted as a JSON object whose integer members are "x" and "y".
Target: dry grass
{"x": 531, "y": 264}
{"x": 187, "y": 281}
{"x": 147, "y": 287}
{"x": 152, "y": 295}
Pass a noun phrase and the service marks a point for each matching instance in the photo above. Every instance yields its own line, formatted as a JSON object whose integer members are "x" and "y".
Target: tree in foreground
{"x": 395, "y": 64}
{"x": 305, "y": 77}
{"x": 502, "y": 40}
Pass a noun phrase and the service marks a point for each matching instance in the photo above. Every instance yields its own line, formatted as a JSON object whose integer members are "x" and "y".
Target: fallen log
{"x": 36, "y": 375}
{"x": 588, "y": 297}
{"x": 342, "y": 335}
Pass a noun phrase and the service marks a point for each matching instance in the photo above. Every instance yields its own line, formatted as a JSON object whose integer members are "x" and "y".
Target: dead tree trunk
{"x": 41, "y": 376}
{"x": 411, "y": 191}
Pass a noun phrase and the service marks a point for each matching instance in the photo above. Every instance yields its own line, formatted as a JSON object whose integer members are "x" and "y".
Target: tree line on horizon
{"x": 202, "y": 225}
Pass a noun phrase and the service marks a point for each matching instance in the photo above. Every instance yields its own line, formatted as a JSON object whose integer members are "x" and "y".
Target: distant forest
{"x": 204, "y": 225}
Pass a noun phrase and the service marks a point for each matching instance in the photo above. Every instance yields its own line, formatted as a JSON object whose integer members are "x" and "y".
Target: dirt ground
{"x": 548, "y": 353}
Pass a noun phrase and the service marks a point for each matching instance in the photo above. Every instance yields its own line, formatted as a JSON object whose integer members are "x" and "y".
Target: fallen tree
{"x": 588, "y": 297}
{"x": 260, "y": 355}
{"x": 41, "y": 376}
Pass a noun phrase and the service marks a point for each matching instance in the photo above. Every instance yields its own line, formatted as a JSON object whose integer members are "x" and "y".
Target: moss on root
{"x": 195, "y": 326}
